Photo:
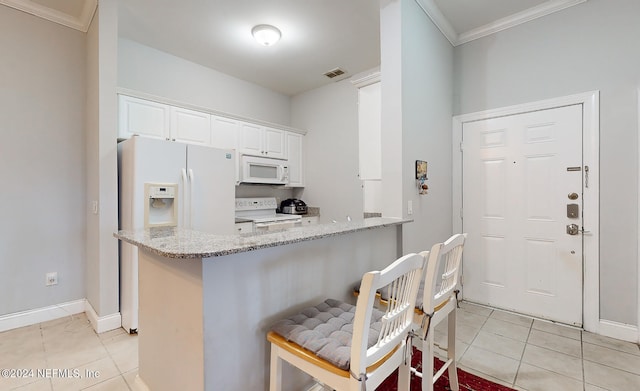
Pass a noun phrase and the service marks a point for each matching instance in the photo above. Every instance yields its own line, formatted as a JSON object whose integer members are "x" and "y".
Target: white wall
{"x": 592, "y": 46}
{"x": 102, "y": 272}
{"x": 145, "y": 69}
{"x": 391, "y": 85}
{"x": 330, "y": 116}
{"x": 42, "y": 84}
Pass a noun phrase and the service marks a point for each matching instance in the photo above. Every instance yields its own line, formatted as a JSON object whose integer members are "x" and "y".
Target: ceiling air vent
{"x": 334, "y": 73}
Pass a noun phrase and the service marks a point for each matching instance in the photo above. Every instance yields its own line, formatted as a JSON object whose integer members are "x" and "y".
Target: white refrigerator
{"x": 205, "y": 199}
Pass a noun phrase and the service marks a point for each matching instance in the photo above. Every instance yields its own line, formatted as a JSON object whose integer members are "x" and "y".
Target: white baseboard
{"x": 39, "y": 315}
{"x": 45, "y": 314}
{"x": 102, "y": 323}
{"x": 625, "y": 332}
{"x": 140, "y": 384}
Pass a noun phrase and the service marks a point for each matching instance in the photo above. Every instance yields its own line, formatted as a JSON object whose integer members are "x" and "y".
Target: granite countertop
{"x": 173, "y": 242}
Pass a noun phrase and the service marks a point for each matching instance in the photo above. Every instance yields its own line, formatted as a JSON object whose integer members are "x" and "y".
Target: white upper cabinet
{"x": 143, "y": 117}
{"x": 148, "y": 118}
{"x": 250, "y": 139}
{"x": 274, "y": 143}
{"x": 224, "y": 132}
{"x": 295, "y": 152}
{"x": 261, "y": 141}
{"x": 189, "y": 126}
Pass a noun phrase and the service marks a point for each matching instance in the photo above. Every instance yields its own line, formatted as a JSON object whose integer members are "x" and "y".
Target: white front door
{"x": 519, "y": 174}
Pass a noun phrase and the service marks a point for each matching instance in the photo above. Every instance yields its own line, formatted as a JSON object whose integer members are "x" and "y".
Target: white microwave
{"x": 254, "y": 169}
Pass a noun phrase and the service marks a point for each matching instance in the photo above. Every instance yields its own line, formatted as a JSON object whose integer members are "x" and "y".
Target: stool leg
{"x": 451, "y": 350}
{"x": 404, "y": 372}
{"x": 275, "y": 376}
{"x": 427, "y": 362}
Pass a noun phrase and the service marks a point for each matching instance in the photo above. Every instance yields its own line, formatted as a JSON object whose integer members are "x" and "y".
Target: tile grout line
{"x": 46, "y": 355}
{"x": 114, "y": 363}
{"x": 584, "y": 379}
{"x": 515, "y": 379}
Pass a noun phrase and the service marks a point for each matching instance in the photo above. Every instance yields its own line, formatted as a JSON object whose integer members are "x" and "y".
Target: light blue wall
{"x": 427, "y": 93}
{"x": 42, "y": 84}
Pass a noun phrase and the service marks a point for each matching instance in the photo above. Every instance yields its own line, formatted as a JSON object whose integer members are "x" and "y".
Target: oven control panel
{"x": 258, "y": 203}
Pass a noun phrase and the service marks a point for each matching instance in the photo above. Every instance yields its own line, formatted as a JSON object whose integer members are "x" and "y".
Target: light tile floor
{"x": 509, "y": 349}
{"x": 66, "y": 354}
{"x": 534, "y": 355}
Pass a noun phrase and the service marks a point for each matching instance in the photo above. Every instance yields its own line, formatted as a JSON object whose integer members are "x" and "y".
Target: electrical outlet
{"x": 51, "y": 279}
{"x": 409, "y": 207}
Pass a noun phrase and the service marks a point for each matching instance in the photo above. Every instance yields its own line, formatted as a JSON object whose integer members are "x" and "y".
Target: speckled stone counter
{"x": 207, "y": 301}
{"x": 183, "y": 243}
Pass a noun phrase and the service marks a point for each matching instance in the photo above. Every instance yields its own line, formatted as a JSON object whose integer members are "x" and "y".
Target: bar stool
{"x": 348, "y": 347}
{"x": 438, "y": 302}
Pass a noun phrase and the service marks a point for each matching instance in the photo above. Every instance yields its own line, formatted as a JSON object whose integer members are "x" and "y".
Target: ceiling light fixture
{"x": 266, "y": 34}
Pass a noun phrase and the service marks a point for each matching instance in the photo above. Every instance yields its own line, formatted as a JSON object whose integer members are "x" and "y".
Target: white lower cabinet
{"x": 309, "y": 220}
{"x": 243, "y": 228}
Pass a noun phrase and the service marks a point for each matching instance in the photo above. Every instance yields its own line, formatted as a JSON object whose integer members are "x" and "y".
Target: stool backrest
{"x": 402, "y": 278}
{"x": 442, "y": 272}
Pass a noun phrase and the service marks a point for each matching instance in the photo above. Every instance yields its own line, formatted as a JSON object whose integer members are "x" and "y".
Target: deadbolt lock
{"x": 573, "y": 196}
{"x": 573, "y": 211}
{"x": 573, "y": 229}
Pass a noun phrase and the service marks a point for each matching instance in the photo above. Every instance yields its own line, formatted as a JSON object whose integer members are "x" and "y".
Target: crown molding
{"x": 442, "y": 23}
{"x": 433, "y": 12}
{"x": 516, "y": 19}
{"x": 80, "y": 23}
{"x": 364, "y": 81}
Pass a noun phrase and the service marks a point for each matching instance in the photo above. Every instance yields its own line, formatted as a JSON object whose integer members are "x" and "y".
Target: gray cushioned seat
{"x": 326, "y": 330}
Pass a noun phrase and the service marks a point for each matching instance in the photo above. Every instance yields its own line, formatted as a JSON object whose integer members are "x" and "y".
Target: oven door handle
{"x": 276, "y": 223}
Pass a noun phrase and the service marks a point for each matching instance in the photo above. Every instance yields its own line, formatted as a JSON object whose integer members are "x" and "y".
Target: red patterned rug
{"x": 467, "y": 381}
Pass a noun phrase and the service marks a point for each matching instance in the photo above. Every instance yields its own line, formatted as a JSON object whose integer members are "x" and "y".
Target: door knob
{"x": 573, "y": 229}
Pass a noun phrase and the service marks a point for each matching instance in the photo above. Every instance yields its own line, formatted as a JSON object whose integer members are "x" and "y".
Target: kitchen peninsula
{"x": 207, "y": 301}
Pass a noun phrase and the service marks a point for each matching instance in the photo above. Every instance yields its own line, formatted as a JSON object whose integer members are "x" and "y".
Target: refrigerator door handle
{"x": 183, "y": 215}
{"x": 192, "y": 179}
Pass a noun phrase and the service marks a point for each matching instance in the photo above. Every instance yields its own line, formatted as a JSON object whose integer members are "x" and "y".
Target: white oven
{"x": 276, "y": 224}
{"x": 254, "y": 169}
{"x": 261, "y": 211}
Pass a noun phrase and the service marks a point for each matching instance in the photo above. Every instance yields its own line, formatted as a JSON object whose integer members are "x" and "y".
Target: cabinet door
{"x": 310, "y": 220}
{"x": 251, "y": 139}
{"x": 224, "y": 132}
{"x": 294, "y": 144}
{"x": 189, "y": 126}
{"x": 142, "y": 117}
{"x": 274, "y": 144}
{"x": 243, "y": 228}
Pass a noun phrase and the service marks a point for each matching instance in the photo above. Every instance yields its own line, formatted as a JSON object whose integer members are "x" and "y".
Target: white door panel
{"x": 518, "y": 255}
